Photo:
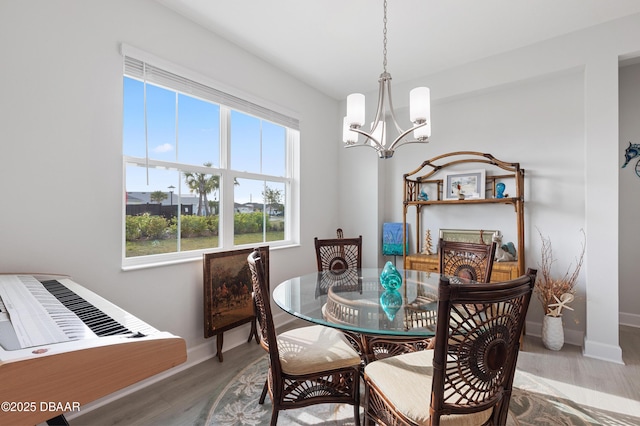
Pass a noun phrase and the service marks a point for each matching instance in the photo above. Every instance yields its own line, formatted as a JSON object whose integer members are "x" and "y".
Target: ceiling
{"x": 336, "y": 45}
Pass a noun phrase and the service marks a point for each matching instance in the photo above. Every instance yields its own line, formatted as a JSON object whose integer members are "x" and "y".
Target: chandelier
{"x": 376, "y": 138}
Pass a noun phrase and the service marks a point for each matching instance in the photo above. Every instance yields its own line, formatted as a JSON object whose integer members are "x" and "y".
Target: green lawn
{"x": 169, "y": 245}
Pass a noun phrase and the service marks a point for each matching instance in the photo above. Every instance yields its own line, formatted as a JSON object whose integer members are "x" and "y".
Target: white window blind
{"x": 138, "y": 69}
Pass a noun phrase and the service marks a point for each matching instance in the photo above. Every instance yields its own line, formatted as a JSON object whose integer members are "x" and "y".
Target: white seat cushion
{"x": 406, "y": 380}
{"x": 315, "y": 348}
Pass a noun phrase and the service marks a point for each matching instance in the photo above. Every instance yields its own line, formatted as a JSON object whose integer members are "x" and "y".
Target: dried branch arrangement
{"x": 555, "y": 294}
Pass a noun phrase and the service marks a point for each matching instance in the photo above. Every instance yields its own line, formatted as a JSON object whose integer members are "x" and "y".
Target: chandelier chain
{"x": 384, "y": 38}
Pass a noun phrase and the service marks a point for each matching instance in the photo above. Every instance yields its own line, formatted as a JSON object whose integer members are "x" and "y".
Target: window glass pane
{"x": 248, "y": 212}
{"x": 200, "y": 228}
{"x": 133, "y": 118}
{"x": 161, "y": 123}
{"x": 273, "y": 149}
{"x": 259, "y": 211}
{"x": 274, "y": 199}
{"x": 198, "y": 131}
{"x": 151, "y": 211}
{"x": 245, "y": 142}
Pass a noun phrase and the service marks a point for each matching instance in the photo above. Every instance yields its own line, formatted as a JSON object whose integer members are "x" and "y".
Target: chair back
{"x": 477, "y": 344}
{"x": 268, "y": 337}
{"x": 473, "y": 261}
{"x": 337, "y": 254}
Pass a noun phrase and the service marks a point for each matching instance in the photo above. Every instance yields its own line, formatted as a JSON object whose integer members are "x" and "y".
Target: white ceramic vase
{"x": 552, "y": 332}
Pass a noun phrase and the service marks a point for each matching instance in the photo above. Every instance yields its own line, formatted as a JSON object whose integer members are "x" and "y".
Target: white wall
{"x": 61, "y": 161}
{"x": 583, "y": 189}
{"x": 629, "y": 197}
{"x": 538, "y": 123}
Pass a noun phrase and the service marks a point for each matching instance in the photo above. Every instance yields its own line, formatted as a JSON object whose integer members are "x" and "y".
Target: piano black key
{"x": 99, "y": 322}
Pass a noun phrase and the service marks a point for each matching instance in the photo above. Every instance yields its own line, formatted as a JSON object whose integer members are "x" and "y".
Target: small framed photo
{"x": 470, "y": 183}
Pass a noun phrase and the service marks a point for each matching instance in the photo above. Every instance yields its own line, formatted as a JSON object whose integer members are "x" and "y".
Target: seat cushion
{"x": 405, "y": 381}
{"x": 315, "y": 348}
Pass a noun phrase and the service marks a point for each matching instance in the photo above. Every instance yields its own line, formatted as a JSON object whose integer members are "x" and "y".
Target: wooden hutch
{"x": 431, "y": 176}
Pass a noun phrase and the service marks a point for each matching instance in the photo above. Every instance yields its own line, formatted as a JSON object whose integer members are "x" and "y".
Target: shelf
{"x": 509, "y": 200}
{"x": 427, "y": 178}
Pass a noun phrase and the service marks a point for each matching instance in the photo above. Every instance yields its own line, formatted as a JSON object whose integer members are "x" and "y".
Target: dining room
{"x": 563, "y": 107}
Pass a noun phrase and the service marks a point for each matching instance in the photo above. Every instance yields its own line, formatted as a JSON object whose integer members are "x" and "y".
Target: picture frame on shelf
{"x": 471, "y": 183}
{"x": 476, "y": 236}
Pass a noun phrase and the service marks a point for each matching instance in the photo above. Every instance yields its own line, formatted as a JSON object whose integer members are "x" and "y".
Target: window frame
{"x": 227, "y": 175}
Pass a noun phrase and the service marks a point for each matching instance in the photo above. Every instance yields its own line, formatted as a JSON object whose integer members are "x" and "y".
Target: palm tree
{"x": 158, "y": 196}
{"x": 202, "y": 184}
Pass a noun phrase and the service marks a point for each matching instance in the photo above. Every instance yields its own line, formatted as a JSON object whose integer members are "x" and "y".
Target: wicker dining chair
{"x": 307, "y": 366}
{"x": 342, "y": 256}
{"x": 336, "y": 254}
{"x": 473, "y": 261}
{"x": 467, "y": 378}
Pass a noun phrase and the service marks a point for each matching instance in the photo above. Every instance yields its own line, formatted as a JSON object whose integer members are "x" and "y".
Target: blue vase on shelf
{"x": 500, "y": 190}
{"x": 391, "y": 302}
{"x": 390, "y": 278}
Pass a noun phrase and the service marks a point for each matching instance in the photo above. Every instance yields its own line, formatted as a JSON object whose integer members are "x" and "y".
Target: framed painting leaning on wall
{"x": 227, "y": 292}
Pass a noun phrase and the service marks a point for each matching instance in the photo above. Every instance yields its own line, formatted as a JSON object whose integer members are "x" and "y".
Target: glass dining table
{"x": 379, "y": 322}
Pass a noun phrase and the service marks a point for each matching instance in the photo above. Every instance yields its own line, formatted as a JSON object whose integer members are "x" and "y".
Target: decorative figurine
{"x": 423, "y": 196}
{"x": 500, "y": 190}
{"x": 390, "y": 278}
{"x": 504, "y": 252}
{"x": 426, "y": 248}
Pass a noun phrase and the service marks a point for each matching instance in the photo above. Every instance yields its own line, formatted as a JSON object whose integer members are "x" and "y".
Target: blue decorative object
{"x": 510, "y": 248}
{"x": 630, "y": 153}
{"x": 392, "y": 239}
{"x": 423, "y": 196}
{"x": 391, "y": 302}
{"x": 390, "y": 278}
{"x": 500, "y": 190}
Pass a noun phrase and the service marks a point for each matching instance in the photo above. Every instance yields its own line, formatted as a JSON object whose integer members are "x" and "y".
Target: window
{"x": 203, "y": 169}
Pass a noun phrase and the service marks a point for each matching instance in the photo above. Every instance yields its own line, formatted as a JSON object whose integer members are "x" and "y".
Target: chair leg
{"x": 274, "y": 416}
{"x": 264, "y": 391}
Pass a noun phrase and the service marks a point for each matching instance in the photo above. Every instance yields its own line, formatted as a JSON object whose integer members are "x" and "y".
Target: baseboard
{"x": 611, "y": 353}
{"x": 571, "y": 337}
{"x": 632, "y": 320}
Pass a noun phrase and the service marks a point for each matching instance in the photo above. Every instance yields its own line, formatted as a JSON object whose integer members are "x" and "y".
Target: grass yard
{"x": 169, "y": 245}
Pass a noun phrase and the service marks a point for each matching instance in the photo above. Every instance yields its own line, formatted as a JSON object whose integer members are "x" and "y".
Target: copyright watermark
{"x": 41, "y": 406}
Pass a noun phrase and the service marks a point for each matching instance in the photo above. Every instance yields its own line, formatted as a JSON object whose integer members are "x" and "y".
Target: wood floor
{"x": 182, "y": 398}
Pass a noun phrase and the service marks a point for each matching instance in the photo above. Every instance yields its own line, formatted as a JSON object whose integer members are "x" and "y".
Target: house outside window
{"x": 204, "y": 170}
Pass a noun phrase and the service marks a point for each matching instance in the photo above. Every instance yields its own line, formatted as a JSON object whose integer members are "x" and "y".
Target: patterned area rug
{"x": 532, "y": 403}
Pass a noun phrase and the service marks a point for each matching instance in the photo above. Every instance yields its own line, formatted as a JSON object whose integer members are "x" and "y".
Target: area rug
{"x": 533, "y": 403}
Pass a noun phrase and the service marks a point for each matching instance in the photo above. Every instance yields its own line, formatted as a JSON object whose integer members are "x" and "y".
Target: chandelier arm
{"x": 391, "y": 109}
{"x": 377, "y": 143}
{"x": 381, "y": 96}
{"x": 397, "y": 142}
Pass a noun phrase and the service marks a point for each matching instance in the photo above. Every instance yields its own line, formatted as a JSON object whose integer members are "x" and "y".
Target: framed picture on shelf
{"x": 470, "y": 183}
{"x": 468, "y": 235}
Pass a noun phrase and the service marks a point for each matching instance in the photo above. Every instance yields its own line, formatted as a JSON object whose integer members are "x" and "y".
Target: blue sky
{"x": 196, "y": 142}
